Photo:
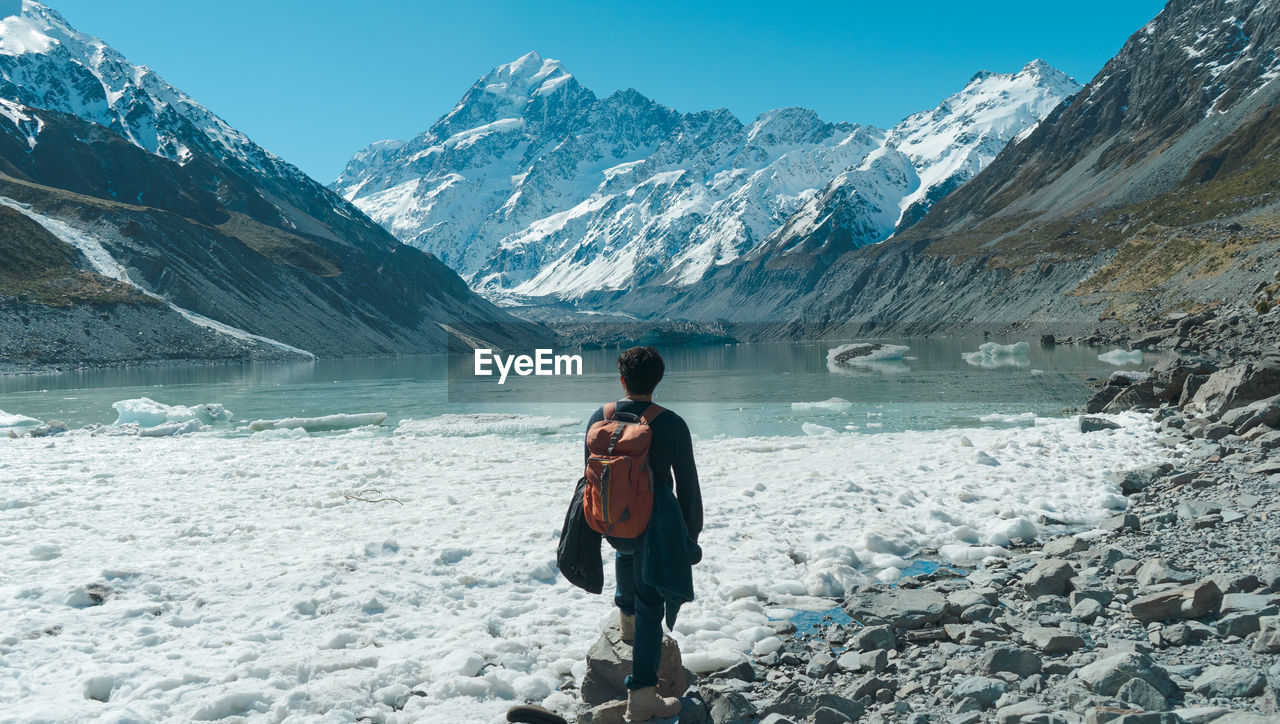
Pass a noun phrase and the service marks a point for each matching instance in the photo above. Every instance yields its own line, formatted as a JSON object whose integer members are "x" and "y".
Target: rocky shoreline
{"x": 1168, "y": 613}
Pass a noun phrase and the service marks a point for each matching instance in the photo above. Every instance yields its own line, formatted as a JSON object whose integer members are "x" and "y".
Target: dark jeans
{"x": 636, "y": 598}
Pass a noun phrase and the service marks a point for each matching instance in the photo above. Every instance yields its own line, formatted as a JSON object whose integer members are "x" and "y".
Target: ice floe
{"x": 1121, "y": 357}
{"x": 993, "y": 354}
{"x": 472, "y": 425}
{"x": 326, "y": 423}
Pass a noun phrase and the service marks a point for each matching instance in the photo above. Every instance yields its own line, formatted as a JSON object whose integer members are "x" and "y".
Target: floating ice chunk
{"x": 321, "y": 424}
{"x": 992, "y": 354}
{"x": 1026, "y": 419}
{"x": 1120, "y": 357}
{"x": 9, "y": 421}
{"x": 815, "y": 430}
{"x": 486, "y": 424}
{"x": 146, "y": 412}
{"x": 834, "y": 404}
{"x": 868, "y": 355}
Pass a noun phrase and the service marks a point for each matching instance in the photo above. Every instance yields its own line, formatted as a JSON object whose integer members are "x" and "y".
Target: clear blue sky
{"x": 316, "y": 80}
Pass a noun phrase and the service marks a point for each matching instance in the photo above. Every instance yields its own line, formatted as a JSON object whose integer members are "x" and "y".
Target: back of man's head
{"x": 641, "y": 369}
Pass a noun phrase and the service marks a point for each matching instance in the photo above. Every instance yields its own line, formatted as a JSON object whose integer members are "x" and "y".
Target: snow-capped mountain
{"x": 533, "y": 186}
{"x": 192, "y": 212}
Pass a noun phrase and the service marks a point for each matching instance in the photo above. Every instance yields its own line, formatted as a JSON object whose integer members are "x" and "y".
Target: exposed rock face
{"x": 1236, "y": 387}
{"x": 154, "y": 193}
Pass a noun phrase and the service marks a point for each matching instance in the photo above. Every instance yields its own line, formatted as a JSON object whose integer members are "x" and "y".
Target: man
{"x": 640, "y": 604}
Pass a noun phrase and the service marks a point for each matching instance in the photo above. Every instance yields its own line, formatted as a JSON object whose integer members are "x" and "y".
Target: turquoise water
{"x": 737, "y": 390}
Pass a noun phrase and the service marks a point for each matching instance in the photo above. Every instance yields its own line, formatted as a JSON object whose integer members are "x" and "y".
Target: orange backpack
{"x": 619, "y": 494}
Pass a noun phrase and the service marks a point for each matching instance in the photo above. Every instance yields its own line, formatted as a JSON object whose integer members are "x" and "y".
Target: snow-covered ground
{"x": 235, "y": 578}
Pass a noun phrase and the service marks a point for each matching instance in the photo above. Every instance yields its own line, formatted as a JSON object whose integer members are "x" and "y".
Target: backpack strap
{"x": 609, "y": 409}
{"x": 651, "y": 412}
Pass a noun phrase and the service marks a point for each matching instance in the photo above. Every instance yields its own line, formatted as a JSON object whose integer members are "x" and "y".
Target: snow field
{"x": 234, "y": 578}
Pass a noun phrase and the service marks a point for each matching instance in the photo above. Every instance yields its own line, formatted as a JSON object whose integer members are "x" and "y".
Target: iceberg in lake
{"x": 146, "y": 412}
{"x": 9, "y": 421}
{"x": 1120, "y": 357}
{"x": 848, "y": 358}
{"x": 993, "y": 354}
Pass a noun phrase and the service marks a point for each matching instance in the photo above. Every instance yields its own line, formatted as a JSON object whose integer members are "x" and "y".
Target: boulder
{"x": 1106, "y": 676}
{"x": 1140, "y": 396}
{"x": 1237, "y": 386}
{"x": 1052, "y": 640}
{"x": 1138, "y": 479}
{"x": 1159, "y": 570}
{"x": 1049, "y": 577}
{"x": 1064, "y": 545}
{"x": 905, "y": 608}
{"x": 1100, "y": 400}
{"x": 727, "y": 706}
{"x": 982, "y": 689}
{"x": 1268, "y": 640}
{"x": 1229, "y": 682}
{"x": 872, "y": 638}
{"x": 1096, "y": 424}
{"x": 613, "y": 712}
{"x": 1264, "y": 413}
{"x": 1013, "y": 659}
{"x": 609, "y": 663}
{"x": 1142, "y": 695}
{"x": 1184, "y": 602}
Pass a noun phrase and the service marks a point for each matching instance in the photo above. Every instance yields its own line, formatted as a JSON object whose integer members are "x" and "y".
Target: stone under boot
{"x": 645, "y": 704}
{"x": 627, "y": 627}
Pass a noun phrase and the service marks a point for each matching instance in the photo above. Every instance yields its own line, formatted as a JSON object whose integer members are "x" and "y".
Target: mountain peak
{"x": 29, "y": 27}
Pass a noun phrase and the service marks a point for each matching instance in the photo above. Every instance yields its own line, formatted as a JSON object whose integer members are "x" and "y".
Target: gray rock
{"x": 1254, "y": 602}
{"x": 1199, "y": 714}
{"x": 1121, "y": 522}
{"x": 1140, "y": 396}
{"x": 1158, "y": 570}
{"x": 1048, "y": 578}
{"x": 872, "y": 638}
{"x": 821, "y": 665}
{"x": 1097, "y": 403}
{"x": 1138, "y": 479}
{"x": 1013, "y": 659}
{"x": 1052, "y": 640}
{"x": 726, "y": 706}
{"x": 1269, "y": 576}
{"x": 1148, "y": 717}
{"x": 982, "y": 689}
{"x": 1268, "y": 640}
{"x": 1236, "y": 386}
{"x": 1019, "y": 712}
{"x": 876, "y": 661}
{"x": 1184, "y": 602}
{"x": 905, "y": 608}
{"x": 1264, "y": 413}
{"x": 1241, "y": 624}
{"x": 1229, "y": 682}
{"x": 827, "y": 715}
{"x": 1087, "y": 610}
{"x": 741, "y": 671}
{"x": 609, "y": 663}
{"x": 1097, "y": 424}
{"x": 1106, "y": 676}
{"x": 1110, "y": 555}
{"x": 1063, "y": 546}
{"x": 958, "y": 601}
{"x": 1142, "y": 695}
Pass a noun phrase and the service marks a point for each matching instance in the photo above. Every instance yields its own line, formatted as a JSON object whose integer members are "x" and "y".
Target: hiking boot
{"x": 645, "y": 704}
{"x": 627, "y": 627}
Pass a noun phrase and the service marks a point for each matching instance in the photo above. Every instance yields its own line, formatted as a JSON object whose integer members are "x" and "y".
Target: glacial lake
{"x": 735, "y": 390}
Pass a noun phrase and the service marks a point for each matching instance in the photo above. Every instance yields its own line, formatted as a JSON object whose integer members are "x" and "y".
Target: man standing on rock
{"x": 652, "y": 564}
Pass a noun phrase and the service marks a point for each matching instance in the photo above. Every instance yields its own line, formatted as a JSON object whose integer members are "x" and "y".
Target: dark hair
{"x": 641, "y": 369}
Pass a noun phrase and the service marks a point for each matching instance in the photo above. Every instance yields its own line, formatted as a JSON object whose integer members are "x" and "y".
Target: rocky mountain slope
{"x": 1152, "y": 190}
{"x": 533, "y": 186}
{"x": 149, "y": 190}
